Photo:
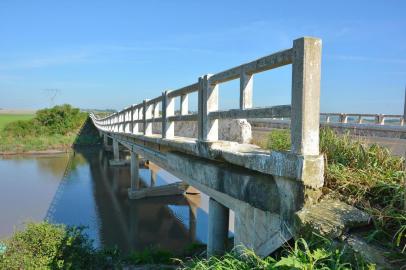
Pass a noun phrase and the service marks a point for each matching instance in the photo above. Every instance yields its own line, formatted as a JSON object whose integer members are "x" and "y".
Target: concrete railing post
{"x": 147, "y": 114}
{"x": 156, "y": 110}
{"x": 404, "y": 110}
{"x": 184, "y": 104}
{"x": 116, "y": 150}
{"x": 135, "y": 181}
{"x": 132, "y": 120}
{"x": 305, "y": 114}
{"x": 379, "y": 119}
{"x": 360, "y": 119}
{"x": 136, "y": 117}
{"x": 168, "y": 109}
{"x": 218, "y": 228}
{"x": 208, "y": 102}
{"x": 343, "y": 118}
{"x": 246, "y": 88}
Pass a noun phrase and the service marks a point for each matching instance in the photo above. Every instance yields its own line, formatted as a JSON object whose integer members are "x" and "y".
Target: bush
{"x": 60, "y": 120}
{"x": 48, "y": 246}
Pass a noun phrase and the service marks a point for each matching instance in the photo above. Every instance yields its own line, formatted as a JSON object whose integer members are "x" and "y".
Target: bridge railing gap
{"x": 262, "y": 174}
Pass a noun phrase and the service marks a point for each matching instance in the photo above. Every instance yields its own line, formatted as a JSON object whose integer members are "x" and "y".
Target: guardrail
{"x": 305, "y": 57}
{"x": 358, "y": 118}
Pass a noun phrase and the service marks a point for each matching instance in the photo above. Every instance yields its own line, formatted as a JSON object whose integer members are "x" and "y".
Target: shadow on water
{"x": 94, "y": 194}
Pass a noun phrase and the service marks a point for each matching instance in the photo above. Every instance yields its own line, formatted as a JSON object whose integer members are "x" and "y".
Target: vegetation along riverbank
{"x": 50, "y": 130}
{"x": 367, "y": 177}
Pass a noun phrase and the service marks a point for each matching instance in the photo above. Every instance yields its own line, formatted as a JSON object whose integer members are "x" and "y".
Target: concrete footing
{"x": 218, "y": 228}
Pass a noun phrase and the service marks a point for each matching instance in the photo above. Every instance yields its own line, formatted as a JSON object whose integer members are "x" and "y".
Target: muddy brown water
{"x": 80, "y": 189}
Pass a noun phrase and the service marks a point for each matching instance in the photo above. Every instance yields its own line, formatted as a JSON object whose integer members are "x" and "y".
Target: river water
{"x": 81, "y": 189}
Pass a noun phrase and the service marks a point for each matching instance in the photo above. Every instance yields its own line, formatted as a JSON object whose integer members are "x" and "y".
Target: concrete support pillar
{"x": 218, "y": 228}
{"x": 116, "y": 150}
{"x": 208, "y": 102}
{"x": 306, "y": 66}
{"x": 192, "y": 222}
{"x": 168, "y": 109}
{"x": 246, "y": 87}
{"x": 105, "y": 140}
{"x": 135, "y": 180}
{"x": 184, "y": 104}
{"x": 153, "y": 178}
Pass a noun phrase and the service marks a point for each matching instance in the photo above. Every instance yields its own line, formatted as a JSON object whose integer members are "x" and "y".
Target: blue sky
{"x": 109, "y": 54}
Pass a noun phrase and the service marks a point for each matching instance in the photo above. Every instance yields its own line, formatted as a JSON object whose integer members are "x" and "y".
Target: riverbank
{"x": 51, "y": 131}
{"x": 49, "y": 246}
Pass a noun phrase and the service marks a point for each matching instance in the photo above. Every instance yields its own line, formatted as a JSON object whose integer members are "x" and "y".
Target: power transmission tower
{"x": 52, "y": 92}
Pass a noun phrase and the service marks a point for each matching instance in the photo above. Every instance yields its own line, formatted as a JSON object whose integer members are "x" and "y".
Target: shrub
{"x": 61, "y": 120}
{"x": 48, "y": 246}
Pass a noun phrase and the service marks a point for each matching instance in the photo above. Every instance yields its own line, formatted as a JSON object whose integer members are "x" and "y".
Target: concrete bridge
{"x": 263, "y": 188}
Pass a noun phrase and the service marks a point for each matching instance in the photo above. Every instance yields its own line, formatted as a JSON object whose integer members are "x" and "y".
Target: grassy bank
{"x": 368, "y": 177}
{"x": 48, "y": 246}
{"x": 8, "y": 118}
{"x": 56, "y": 128}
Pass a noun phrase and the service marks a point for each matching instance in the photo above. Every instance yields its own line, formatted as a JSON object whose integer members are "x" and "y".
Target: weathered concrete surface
{"x": 330, "y": 218}
{"x": 371, "y": 253}
{"x": 264, "y": 188}
{"x": 259, "y": 190}
{"x": 236, "y": 130}
{"x": 177, "y": 188}
{"x": 305, "y": 115}
{"x": 121, "y": 162}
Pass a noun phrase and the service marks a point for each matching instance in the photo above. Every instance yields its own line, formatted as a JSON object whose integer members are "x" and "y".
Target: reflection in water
{"x": 94, "y": 194}
{"x": 27, "y": 187}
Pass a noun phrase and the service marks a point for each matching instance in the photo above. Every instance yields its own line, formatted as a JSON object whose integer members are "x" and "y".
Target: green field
{"x": 7, "y": 118}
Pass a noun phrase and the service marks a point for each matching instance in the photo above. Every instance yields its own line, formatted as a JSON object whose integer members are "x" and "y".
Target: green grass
{"x": 52, "y": 246}
{"x": 56, "y": 128}
{"x": 366, "y": 176}
{"x": 317, "y": 253}
{"x": 8, "y": 118}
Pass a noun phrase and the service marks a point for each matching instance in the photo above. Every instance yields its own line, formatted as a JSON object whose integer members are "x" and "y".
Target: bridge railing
{"x": 305, "y": 57}
{"x": 379, "y": 119}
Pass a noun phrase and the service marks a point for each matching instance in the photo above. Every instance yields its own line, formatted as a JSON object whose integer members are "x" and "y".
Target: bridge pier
{"x": 105, "y": 141}
{"x": 135, "y": 177}
{"x": 218, "y": 228}
{"x": 116, "y": 155}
